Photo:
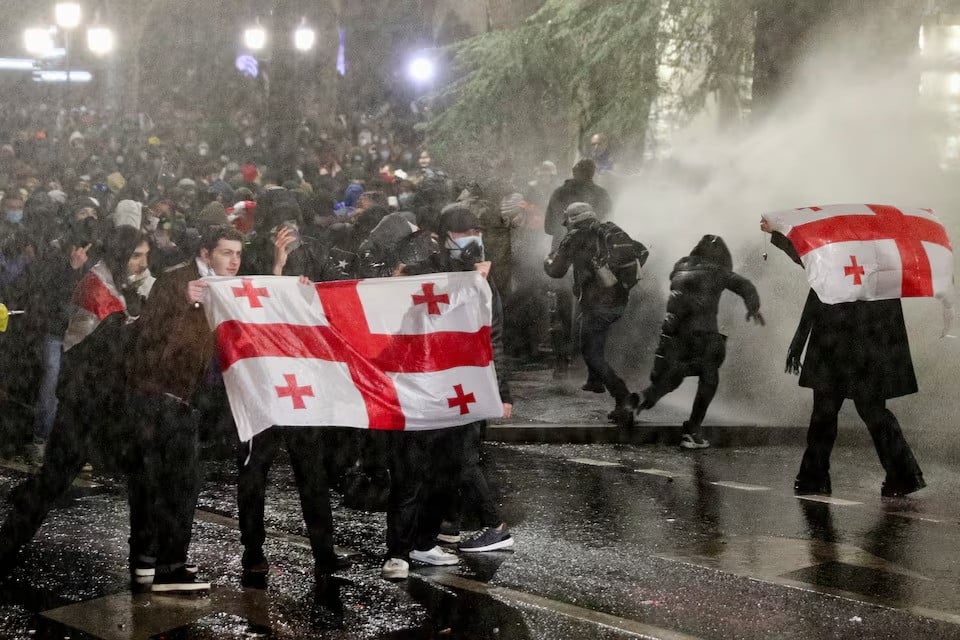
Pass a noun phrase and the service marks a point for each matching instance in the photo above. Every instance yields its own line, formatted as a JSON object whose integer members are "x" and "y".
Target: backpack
{"x": 623, "y": 255}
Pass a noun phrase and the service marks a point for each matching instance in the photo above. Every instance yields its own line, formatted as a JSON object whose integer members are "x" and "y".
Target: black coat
{"x": 855, "y": 349}
{"x": 695, "y": 289}
{"x": 571, "y": 191}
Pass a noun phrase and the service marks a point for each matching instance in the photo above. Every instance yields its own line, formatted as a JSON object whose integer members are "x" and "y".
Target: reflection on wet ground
{"x": 612, "y": 542}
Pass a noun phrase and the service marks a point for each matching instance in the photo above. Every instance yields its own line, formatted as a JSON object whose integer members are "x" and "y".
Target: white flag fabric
{"x": 869, "y": 252}
{"x": 408, "y": 353}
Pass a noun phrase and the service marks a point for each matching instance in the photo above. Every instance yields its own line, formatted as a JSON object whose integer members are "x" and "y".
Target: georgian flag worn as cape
{"x": 869, "y": 252}
{"x": 408, "y": 353}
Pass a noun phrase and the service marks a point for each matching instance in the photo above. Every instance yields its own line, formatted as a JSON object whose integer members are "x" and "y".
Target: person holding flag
{"x": 852, "y": 326}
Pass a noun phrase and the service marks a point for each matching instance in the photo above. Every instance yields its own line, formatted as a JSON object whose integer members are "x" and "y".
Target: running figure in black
{"x": 690, "y": 344}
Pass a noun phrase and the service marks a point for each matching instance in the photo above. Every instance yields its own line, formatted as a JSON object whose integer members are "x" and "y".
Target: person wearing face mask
{"x": 12, "y": 206}
{"x": 462, "y": 234}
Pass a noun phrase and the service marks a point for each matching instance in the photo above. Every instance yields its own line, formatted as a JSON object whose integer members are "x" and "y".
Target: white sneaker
{"x": 395, "y": 569}
{"x": 689, "y": 441}
{"x": 437, "y": 557}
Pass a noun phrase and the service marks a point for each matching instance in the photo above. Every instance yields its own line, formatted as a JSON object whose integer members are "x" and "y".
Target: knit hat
{"x": 128, "y": 213}
{"x": 578, "y": 213}
{"x": 212, "y": 215}
{"x": 187, "y": 183}
{"x": 116, "y": 182}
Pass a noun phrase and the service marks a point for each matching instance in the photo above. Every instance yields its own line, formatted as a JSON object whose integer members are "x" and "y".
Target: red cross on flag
{"x": 869, "y": 251}
{"x": 389, "y": 353}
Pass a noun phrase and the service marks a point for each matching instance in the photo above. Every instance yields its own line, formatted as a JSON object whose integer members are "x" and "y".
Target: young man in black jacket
{"x": 601, "y": 303}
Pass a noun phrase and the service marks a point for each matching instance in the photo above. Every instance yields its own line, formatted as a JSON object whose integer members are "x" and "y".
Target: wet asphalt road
{"x": 612, "y": 542}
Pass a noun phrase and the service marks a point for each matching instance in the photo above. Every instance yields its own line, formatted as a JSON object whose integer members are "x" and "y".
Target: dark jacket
{"x": 579, "y": 249}
{"x": 695, "y": 289}
{"x": 571, "y": 191}
{"x": 51, "y": 281}
{"x": 175, "y": 345}
{"x": 449, "y": 264}
{"x": 854, "y": 349}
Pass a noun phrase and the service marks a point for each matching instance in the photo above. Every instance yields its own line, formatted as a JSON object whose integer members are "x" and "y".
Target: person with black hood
{"x": 690, "y": 342}
{"x": 601, "y": 302}
{"x": 858, "y": 351}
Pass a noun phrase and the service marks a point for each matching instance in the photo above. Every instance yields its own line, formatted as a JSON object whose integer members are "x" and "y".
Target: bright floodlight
{"x": 304, "y": 37}
{"x": 38, "y": 41}
{"x": 255, "y": 38}
{"x": 421, "y": 69}
{"x": 67, "y": 14}
{"x": 100, "y": 40}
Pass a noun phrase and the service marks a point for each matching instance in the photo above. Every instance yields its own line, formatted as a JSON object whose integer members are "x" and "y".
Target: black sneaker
{"x": 142, "y": 573}
{"x": 622, "y": 414}
{"x": 596, "y": 387}
{"x": 487, "y": 539}
{"x": 179, "y": 581}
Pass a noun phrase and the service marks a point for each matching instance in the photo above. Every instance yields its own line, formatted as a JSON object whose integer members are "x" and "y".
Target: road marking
{"x": 659, "y": 472}
{"x": 512, "y": 596}
{"x": 594, "y": 463}
{"x": 741, "y": 486}
{"x": 840, "y": 502}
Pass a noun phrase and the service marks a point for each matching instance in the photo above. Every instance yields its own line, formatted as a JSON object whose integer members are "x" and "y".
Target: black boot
{"x": 804, "y": 485}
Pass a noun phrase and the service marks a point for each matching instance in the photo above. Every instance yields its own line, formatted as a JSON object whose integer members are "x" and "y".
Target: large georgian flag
{"x": 868, "y": 251}
{"x": 388, "y": 353}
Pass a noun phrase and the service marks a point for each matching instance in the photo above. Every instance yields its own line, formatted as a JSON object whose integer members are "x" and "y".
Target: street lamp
{"x": 100, "y": 40}
{"x": 255, "y": 37}
{"x": 304, "y": 37}
{"x": 38, "y": 41}
{"x": 421, "y": 69}
{"x": 67, "y": 15}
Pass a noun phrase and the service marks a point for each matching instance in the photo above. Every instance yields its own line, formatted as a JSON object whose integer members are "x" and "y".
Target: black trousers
{"x": 473, "y": 493}
{"x": 679, "y": 356}
{"x": 594, "y": 326}
{"x": 166, "y": 437}
{"x": 423, "y": 465}
{"x": 892, "y": 448}
{"x": 75, "y": 429}
{"x": 305, "y": 446}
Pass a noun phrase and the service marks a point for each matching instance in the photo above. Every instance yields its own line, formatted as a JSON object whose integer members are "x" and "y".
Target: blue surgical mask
{"x": 459, "y": 244}
{"x": 14, "y": 216}
{"x": 404, "y": 199}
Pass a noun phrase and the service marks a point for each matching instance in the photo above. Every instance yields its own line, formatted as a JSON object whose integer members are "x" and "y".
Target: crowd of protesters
{"x": 109, "y": 224}
{"x": 104, "y": 220}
